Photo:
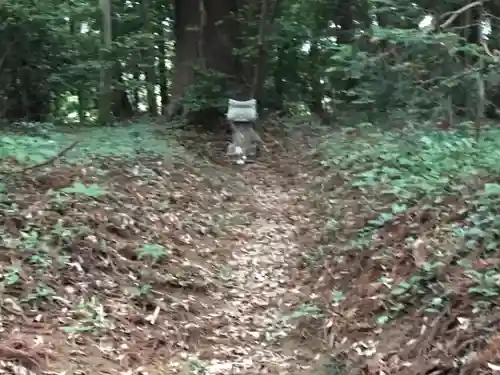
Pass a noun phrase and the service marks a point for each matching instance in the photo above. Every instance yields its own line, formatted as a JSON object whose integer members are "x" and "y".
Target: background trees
{"x": 333, "y": 59}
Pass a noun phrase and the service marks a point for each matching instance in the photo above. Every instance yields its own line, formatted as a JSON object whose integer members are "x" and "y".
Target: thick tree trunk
{"x": 121, "y": 106}
{"x": 221, "y": 36}
{"x": 150, "y": 57}
{"x": 105, "y": 92}
{"x": 187, "y": 33}
{"x": 259, "y": 78}
{"x": 206, "y": 35}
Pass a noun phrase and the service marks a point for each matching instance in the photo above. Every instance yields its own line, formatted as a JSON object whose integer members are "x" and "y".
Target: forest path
{"x": 246, "y": 330}
{"x": 158, "y": 268}
{"x": 248, "y": 322}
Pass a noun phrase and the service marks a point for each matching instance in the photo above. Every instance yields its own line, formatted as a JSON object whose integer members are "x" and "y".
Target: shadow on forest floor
{"x": 140, "y": 252}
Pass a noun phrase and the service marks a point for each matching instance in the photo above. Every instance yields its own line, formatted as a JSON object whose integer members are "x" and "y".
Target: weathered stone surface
{"x": 245, "y": 142}
{"x": 242, "y": 111}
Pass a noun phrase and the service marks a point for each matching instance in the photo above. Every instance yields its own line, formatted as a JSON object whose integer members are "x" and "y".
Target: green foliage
{"x": 93, "y": 318}
{"x": 92, "y": 190}
{"x": 152, "y": 251}
{"x": 132, "y": 141}
{"x": 210, "y": 90}
{"x": 399, "y": 175}
{"x": 128, "y": 142}
{"x": 27, "y": 150}
{"x": 412, "y": 164}
{"x": 305, "y": 310}
{"x": 404, "y": 70}
{"x": 484, "y": 221}
{"x": 375, "y": 60}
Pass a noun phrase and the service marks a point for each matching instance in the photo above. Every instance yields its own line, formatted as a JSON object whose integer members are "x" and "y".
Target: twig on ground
{"x": 52, "y": 159}
{"x": 26, "y": 358}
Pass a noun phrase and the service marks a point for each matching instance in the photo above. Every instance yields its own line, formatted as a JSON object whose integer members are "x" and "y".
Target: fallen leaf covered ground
{"x": 408, "y": 270}
{"x": 376, "y": 254}
{"x": 150, "y": 266}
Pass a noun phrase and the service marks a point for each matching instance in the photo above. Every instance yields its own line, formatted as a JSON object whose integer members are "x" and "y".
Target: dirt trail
{"x": 248, "y": 321}
{"x": 236, "y": 287}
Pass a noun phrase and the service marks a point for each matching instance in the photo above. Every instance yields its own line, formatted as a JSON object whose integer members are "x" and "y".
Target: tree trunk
{"x": 221, "y": 36}
{"x": 121, "y": 106}
{"x": 105, "y": 92}
{"x": 268, "y": 13}
{"x": 317, "y": 90}
{"x": 79, "y": 84}
{"x": 162, "y": 69}
{"x": 187, "y": 33}
{"x": 279, "y": 81}
{"x": 136, "y": 98}
{"x": 206, "y": 34}
{"x": 150, "y": 57}
{"x": 493, "y": 109}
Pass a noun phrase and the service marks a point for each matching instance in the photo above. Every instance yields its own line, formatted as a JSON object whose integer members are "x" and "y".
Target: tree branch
{"x": 458, "y": 12}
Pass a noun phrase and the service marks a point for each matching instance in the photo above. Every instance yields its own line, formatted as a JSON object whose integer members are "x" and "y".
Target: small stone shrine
{"x": 245, "y": 142}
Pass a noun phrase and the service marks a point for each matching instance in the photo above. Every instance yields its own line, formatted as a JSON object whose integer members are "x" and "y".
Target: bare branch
{"x": 53, "y": 158}
{"x": 458, "y": 12}
{"x": 495, "y": 55}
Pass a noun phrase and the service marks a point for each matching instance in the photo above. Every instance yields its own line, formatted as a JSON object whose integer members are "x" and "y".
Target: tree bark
{"x": 162, "y": 69}
{"x": 150, "y": 57}
{"x": 268, "y": 13}
{"x": 136, "y": 98}
{"x": 279, "y": 80}
{"x": 187, "y": 33}
{"x": 80, "y": 92}
{"x": 221, "y": 36}
{"x": 121, "y": 106}
{"x": 317, "y": 90}
{"x": 105, "y": 92}
{"x": 207, "y": 34}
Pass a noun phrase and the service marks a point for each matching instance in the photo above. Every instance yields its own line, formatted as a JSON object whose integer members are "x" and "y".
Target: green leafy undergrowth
{"x": 411, "y": 163}
{"x": 27, "y": 149}
{"x": 389, "y": 173}
{"x": 124, "y": 142}
{"x": 411, "y": 224}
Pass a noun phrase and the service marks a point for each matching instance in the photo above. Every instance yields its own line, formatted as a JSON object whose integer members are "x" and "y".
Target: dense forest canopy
{"x": 333, "y": 59}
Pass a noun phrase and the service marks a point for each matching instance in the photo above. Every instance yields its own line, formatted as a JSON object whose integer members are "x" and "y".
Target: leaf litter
{"x": 405, "y": 270}
{"x": 154, "y": 267}
{"x": 149, "y": 267}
